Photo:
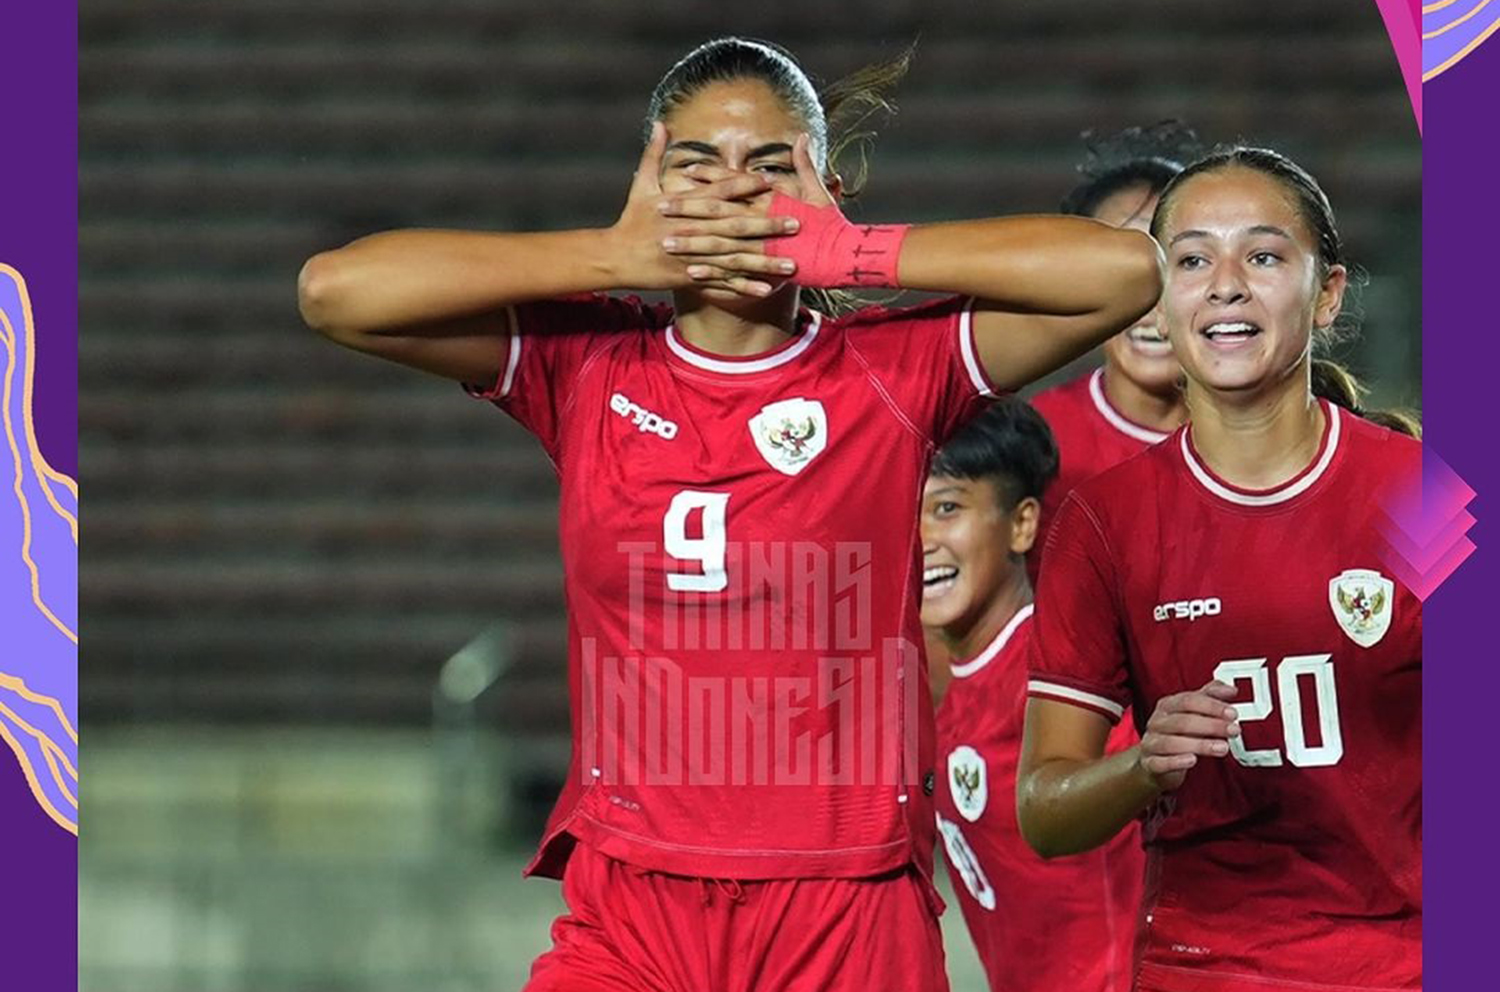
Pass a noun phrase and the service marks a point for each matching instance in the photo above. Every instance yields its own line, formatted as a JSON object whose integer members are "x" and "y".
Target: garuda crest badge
{"x": 968, "y": 781}
{"x": 790, "y": 433}
{"x": 1362, "y": 602}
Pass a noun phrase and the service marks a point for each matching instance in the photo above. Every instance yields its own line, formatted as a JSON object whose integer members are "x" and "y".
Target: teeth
{"x": 1148, "y": 334}
{"x": 1239, "y": 327}
{"x": 938, "y": 573}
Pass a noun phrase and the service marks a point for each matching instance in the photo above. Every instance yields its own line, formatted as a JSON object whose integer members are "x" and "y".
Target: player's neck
{"x": 743, "y": 328}
{"x": 939, "y": 664}
{"x": 967, "y": 639}
{"x": 1164, "y": 412}
{"x": 1258, "y": 441}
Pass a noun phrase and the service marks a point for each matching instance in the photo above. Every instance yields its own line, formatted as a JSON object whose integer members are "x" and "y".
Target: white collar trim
{"x": 1274, "y": 496}
{"x": 1118, "y": 422}
{"x": 692, "y": 357}
{"x": 996, "y": 646}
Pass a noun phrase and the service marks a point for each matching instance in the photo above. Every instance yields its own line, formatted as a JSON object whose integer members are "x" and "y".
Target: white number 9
{"x": 708, "y": 550}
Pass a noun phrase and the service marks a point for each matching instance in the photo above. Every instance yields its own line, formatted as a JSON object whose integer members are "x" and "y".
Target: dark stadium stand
{"x": 281, "y": 531}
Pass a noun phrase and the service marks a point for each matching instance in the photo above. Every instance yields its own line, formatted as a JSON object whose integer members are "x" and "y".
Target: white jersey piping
{"x": 996, "y": 646}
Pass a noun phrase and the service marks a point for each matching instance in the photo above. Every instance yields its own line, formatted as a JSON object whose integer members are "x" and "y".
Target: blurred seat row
{"x": 278, "y": 531}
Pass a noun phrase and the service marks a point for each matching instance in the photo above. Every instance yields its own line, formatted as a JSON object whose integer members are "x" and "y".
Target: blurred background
{"x": 325, "y": 677}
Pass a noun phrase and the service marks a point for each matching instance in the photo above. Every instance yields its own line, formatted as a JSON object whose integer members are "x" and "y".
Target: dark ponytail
{"x": 853, "y": 106}
{"x": 1336, "y": 384}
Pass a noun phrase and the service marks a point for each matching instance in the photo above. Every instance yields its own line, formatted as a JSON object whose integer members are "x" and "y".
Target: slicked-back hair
{"x": 1311, "y": 202}
{"x": 728, "y": 59}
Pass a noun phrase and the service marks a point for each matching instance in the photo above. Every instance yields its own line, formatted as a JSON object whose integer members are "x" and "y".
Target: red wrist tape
{"x": 830, "y": 252}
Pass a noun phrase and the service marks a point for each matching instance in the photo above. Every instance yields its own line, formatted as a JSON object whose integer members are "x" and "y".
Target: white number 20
{"x": 707, "y": 550}
{"x": 1260, "y": 706}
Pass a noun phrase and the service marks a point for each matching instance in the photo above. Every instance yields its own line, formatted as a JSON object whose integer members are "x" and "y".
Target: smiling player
{"x": 1228, "y": 584}
{"x": 1038, "y": 926}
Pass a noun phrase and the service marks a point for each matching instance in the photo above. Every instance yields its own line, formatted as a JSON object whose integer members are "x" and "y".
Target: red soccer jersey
{"x": 1039, "y": 926}
{"x": 1296, "y": 860}
{"x": 743, "y": 571}
{"x": 1091, "y": 436}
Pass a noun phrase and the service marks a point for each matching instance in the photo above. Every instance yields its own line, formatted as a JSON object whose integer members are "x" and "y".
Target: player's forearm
{"x": 1069, "y": 266}
{"x": 401, "y": 278}
{"x": 1067, "y": 807}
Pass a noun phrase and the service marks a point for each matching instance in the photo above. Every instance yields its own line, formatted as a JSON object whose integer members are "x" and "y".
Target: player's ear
{"x": 1023, "y": 525}
{"x": 835, "y": 184}
{"x": 1330, "y": 296}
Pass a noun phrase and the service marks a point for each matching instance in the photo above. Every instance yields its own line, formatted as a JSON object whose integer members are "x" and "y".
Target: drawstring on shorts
{"x": 728, "y": 886}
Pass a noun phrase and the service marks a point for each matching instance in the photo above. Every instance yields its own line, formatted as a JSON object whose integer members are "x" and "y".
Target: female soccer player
{"x": 1135, "y": 400}
{"x": 750, "y": 799}
{"x": 1229, "y": 585}
{"x": 1038, "y": 926}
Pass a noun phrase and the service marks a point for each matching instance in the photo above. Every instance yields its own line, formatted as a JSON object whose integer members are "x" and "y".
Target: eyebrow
{"x": 947, "y": 489}
{"x": 1255, "y": 229}
{"x": 704, "y": 148}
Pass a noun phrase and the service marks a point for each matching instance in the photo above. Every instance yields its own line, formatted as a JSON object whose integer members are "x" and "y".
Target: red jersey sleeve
{"x": 924, "y": 359}
{"x": 1078, "y": 651}
{"x": 549, "y": 345}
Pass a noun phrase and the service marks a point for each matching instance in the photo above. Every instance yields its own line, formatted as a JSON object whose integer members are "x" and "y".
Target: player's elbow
{"x": 1037, "y": 828}
{"x": 319, "y": 297}
{"x": 1027, "y": 820}
{"x": 1126, "y": 284}
{"x": 1142, "y": 267}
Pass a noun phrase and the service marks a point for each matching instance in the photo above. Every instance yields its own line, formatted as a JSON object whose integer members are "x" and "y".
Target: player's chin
{"x": 1230, "y": 373}
{"x": 1230, "y": 379}
{"x": 943, "y": 603}
{"x": 1157, "y": 377}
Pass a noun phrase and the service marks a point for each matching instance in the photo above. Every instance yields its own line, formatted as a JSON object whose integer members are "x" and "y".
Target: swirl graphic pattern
{"x": 1452, "y": 29}
{"x": 38, "y": 581}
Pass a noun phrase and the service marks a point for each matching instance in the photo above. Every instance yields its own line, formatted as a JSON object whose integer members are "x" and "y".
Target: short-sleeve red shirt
{"x": 1296, "y": 860}
{"x": 743, "y": 571}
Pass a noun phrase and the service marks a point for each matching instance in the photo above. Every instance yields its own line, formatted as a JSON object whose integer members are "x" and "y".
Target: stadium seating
{"x": 281, "y": 531}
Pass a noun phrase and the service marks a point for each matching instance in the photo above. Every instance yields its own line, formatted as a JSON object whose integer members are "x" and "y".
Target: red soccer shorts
{"x": 630, "y": 930}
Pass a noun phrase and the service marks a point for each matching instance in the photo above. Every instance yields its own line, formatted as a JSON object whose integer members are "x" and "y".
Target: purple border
{"x": 39, "y": 227}
{"x": 1460, "y": 356}
{"x": 38, "y": 236}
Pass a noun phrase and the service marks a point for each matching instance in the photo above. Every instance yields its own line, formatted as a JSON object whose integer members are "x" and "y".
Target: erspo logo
{"x": 1189, "y": 609}
{"x": 644, "y": 420}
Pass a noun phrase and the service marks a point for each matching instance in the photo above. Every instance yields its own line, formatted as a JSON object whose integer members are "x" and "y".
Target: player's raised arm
{"x": 1070, "y": 798}
{"x": 429, "y": 298}
{"x": 1047, "y": 288}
